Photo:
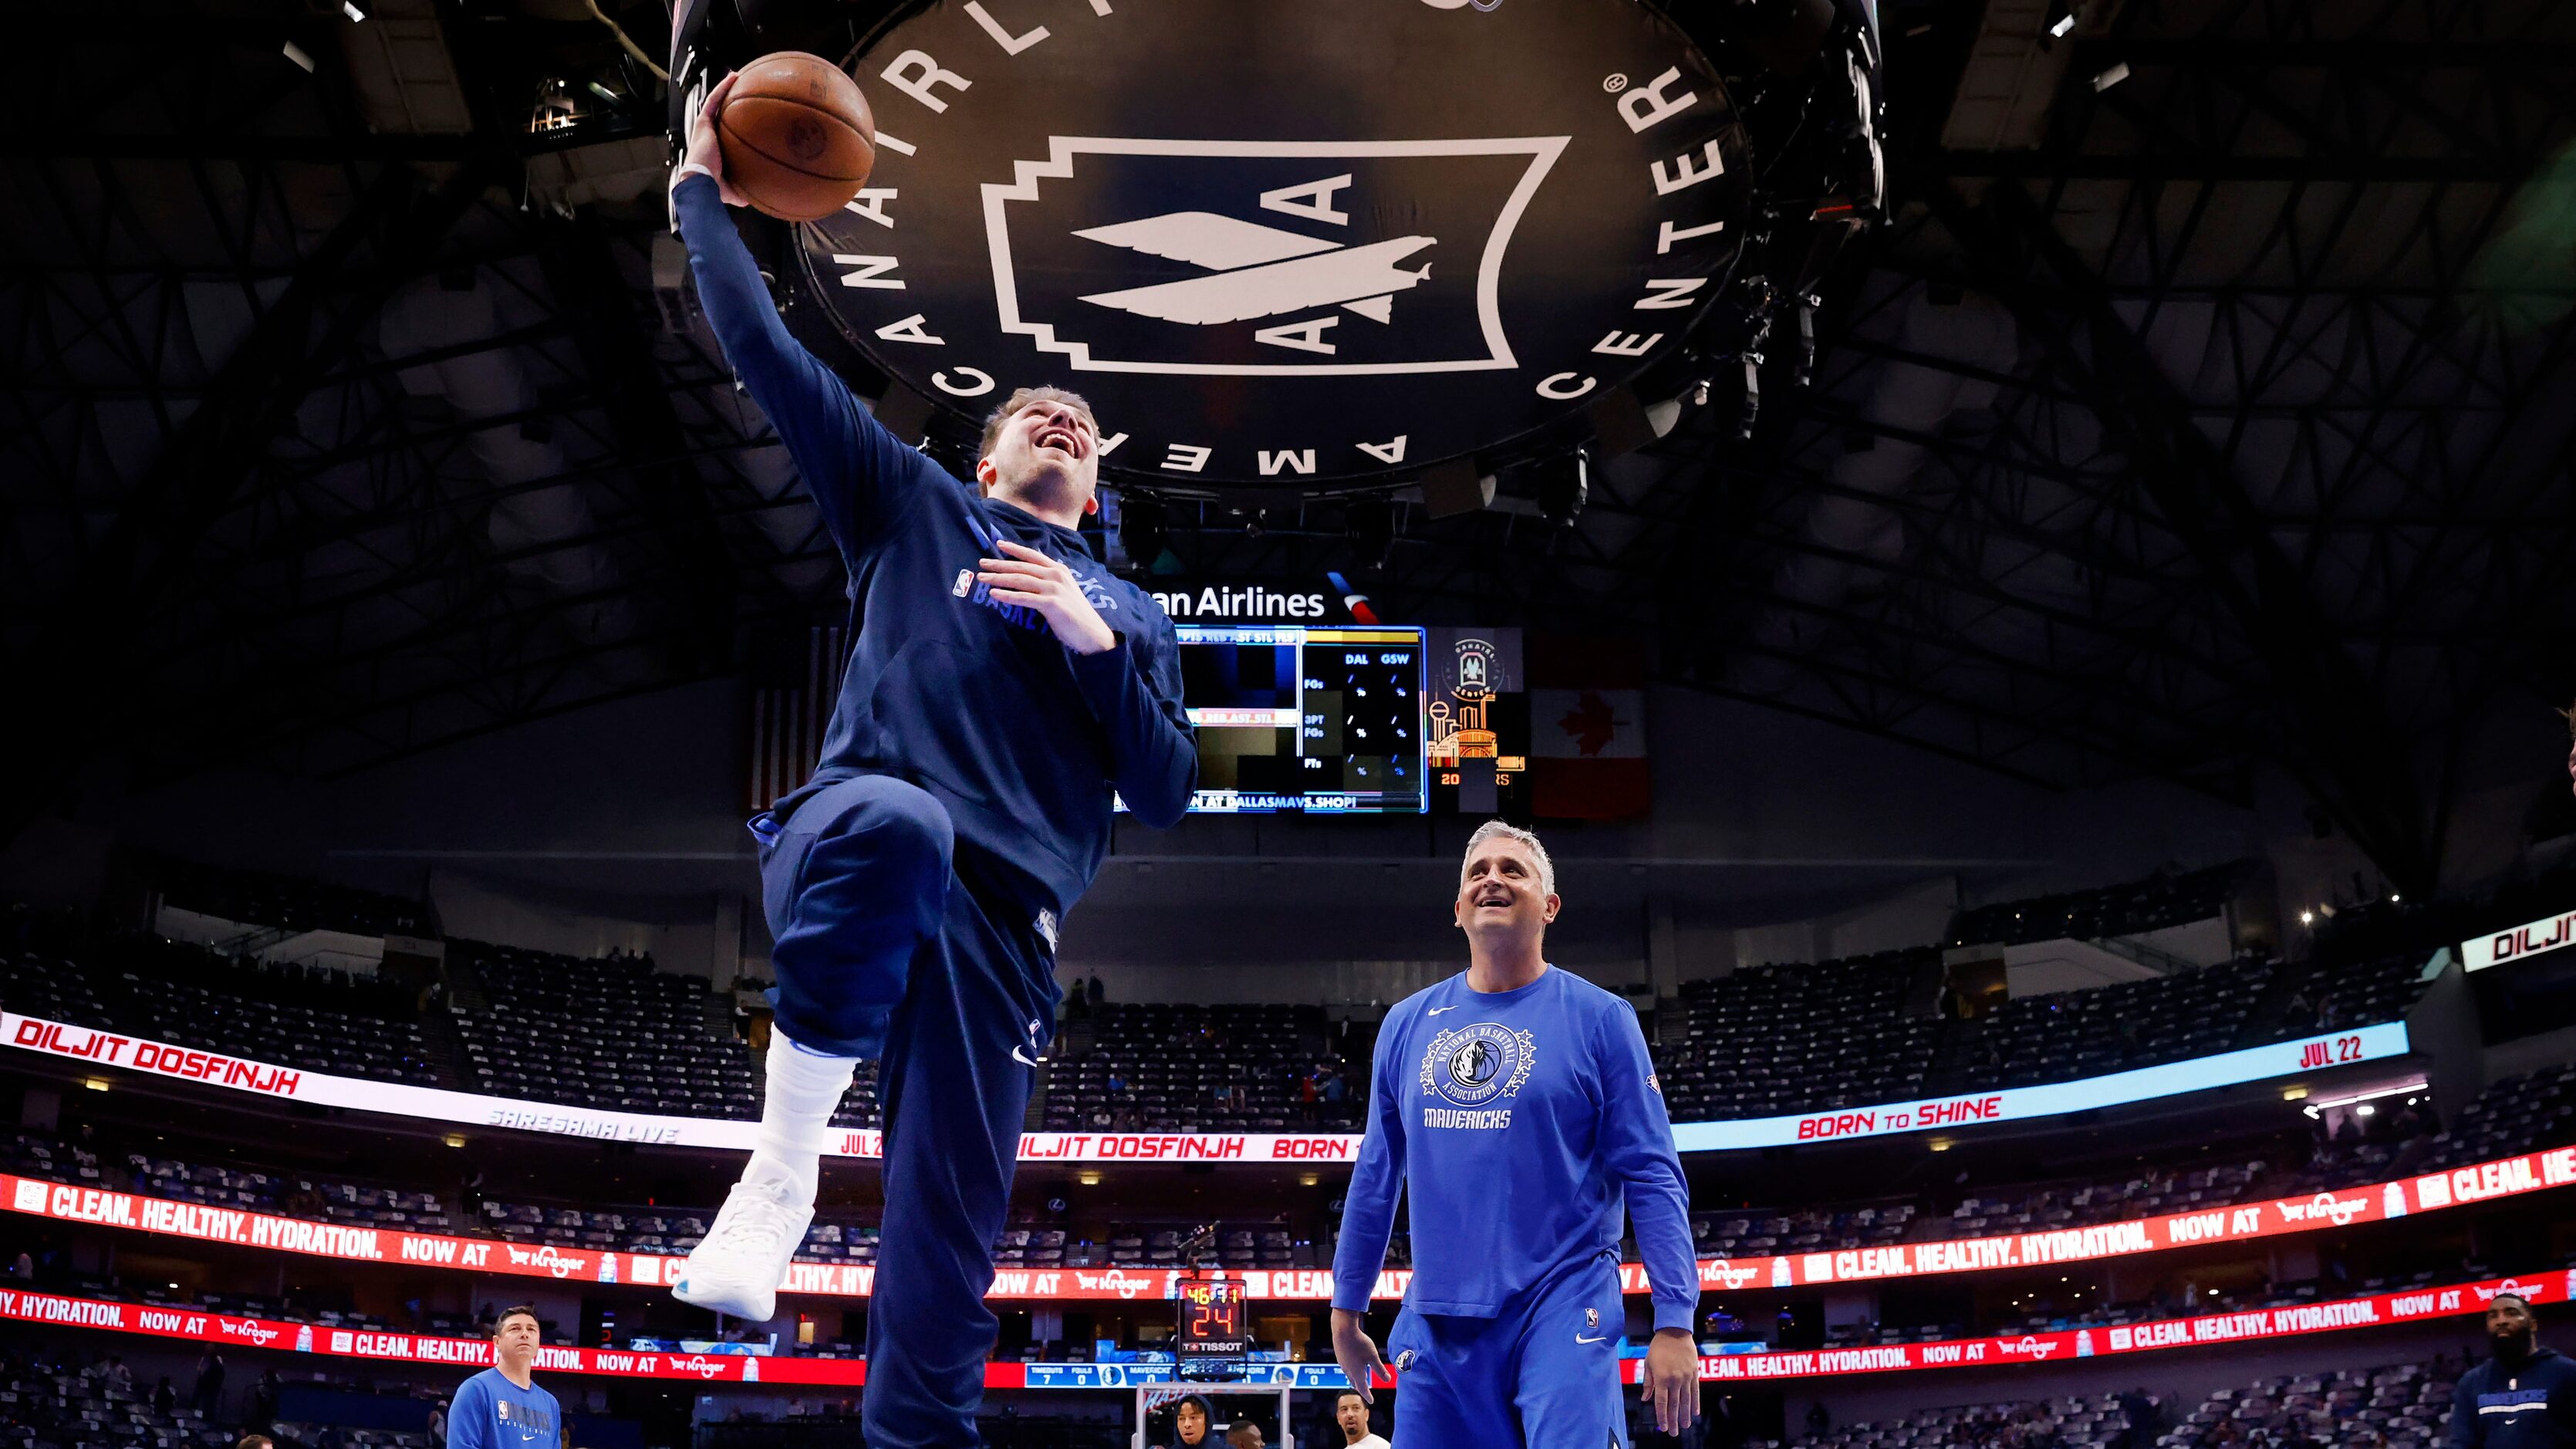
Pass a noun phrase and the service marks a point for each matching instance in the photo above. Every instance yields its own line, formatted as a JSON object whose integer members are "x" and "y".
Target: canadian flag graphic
{"x": 1587, "y": 710}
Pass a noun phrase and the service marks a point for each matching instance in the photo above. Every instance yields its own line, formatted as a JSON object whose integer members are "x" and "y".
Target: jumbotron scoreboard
{"x": 1319, "y": 720}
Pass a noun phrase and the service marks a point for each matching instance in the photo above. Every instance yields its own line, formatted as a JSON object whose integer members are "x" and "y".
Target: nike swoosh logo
{"x": 1579, "y": 1338}
{"x": 1435, "y": 1011}
{"x": 1022, "y": 1057}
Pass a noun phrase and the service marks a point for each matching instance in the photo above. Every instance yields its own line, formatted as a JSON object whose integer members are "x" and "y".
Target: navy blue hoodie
{"x": 2525, "y": 1406}
{"x": 975, "y": 701}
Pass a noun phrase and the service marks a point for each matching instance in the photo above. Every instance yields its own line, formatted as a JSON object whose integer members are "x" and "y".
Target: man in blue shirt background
{"x": 1001, "y": 686}
{"x": 502, "y": 1407}
{"x": 1515, "y": 1109}
{"x": 2523, "y": 1396}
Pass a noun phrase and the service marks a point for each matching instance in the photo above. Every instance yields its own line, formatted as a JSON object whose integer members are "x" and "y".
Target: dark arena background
{"x": 2019, "y": 554}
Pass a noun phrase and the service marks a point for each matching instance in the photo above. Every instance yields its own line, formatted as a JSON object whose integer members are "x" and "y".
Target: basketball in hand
{"x": 798, "y": 140}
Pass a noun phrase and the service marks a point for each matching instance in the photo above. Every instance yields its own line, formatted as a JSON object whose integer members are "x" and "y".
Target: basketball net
{"x": 1159, "y": 1396}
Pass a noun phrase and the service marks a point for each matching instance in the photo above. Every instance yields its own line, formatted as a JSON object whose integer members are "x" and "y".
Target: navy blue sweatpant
{"x": 887, "y": 936}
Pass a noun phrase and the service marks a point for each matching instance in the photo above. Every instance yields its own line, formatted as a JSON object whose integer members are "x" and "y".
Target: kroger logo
{"x": 558, "y": 1264}
{"x": 1113, "y": 1282}
{"x": 2029, "y": 1346}
{"x": 2325, "y": 1205}
{"x": 250, "y": 1330}
{"x": 1722, "y": 1274}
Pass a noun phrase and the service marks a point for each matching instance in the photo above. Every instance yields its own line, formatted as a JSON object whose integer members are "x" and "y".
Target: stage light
{"x": 2307, "y": 918}
{"x": 356, "y": 12}
{"x": 1561, "y": 485}
{"x": 1087, "y": 1179}
{"x": 95, "y": 1084}
{"x": 295, "y": 53}
{"x": 454, "y": 1139}
{"x": 1141, "y": 528}
{"x": 1369, "y": 523}
{"x": 2118, "y": 72}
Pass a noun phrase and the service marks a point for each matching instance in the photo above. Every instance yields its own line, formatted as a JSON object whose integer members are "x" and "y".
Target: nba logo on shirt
{"x": 1592, "y": 1318}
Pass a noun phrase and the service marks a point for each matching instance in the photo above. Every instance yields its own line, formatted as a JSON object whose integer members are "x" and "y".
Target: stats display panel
{"x": 1318, "y": 720}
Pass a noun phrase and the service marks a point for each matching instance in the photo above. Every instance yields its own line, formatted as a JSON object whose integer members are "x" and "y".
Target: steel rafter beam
{"x": 79, "y": 659}
{"x": 2336, "y": 734}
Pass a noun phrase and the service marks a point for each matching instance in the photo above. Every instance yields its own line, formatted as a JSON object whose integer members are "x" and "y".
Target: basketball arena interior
{"x": 2019, "y": 555}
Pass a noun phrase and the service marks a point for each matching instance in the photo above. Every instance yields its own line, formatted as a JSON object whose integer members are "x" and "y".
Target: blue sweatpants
{"x": 889, "y": 939}
{"x": 1542, "y": 1374}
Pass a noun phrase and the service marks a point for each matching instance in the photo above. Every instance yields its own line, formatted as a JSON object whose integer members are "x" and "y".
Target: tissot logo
{"x": 1285, "y": 241}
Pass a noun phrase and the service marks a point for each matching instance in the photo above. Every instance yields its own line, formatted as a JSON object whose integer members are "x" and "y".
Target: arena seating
{"x": 610, "y": 1033}
{"x": 1765, "y": 1232}
{"x": 2366, "y": 992}
{"x": 2120, "y": 910}
{"x": 1767, "y": 1040}
{"x": 293, "y": 903}
{"x": 1204, "y": 1068}
{"x": 2405, "y": 1406}
{"x": 319, "y": 1020}
{"x": 2128, "y": 1024}
{"x": 53, "y": 1407}
{"x": 2069, "y": 1423}
{"x": 2149, "y": 1192}
{"x": 55, "y": 988}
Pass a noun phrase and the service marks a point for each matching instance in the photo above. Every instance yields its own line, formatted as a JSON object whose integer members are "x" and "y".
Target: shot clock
{"x": 1213, "y": 1336}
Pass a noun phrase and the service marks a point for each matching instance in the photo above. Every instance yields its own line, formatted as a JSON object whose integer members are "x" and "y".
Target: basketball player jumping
{"x": 1002, "y": 684}
{"x": 1514, "y": 1107}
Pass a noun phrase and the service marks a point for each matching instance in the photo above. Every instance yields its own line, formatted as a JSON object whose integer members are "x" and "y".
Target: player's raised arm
{"x": 855, "y": 469}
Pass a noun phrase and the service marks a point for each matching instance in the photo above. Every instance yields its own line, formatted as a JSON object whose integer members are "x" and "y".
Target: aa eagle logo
{"x": 1472, "y": 1065}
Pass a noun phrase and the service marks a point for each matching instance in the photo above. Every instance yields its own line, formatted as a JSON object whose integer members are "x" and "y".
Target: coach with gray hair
{"x": 1515, "y": 1108}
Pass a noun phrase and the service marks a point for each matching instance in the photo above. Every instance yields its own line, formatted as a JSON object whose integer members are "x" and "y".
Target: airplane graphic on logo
{"x": 1262, "y": 271}
{"x": 1298, "y": 282}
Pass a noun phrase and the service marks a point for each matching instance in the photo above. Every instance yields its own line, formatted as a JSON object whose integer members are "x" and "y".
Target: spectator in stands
{"x": 1818, "y": 1419}
{"x": 263, "y": 1399}
{"x": 2524, "y": 1396}
{"x": 1244, "y": 1435}
{"x": 1351, "y": 1416}
{"x": 1098, "y": 994}
{"x": 438, "y": 1425}
{"x": 502, "y": 1407}
{"x": 255, "y": 1441}
{"x": 1190, "y": 1423}
{"x": 210, "y": 1383}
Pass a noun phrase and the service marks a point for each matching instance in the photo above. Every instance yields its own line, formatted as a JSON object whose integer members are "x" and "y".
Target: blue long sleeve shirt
{"x": 973, "y": 700}
{"x": 2531, "y": 1405}
{"x": 490, "y": 1412}
{"x": 1517, "y": 1125}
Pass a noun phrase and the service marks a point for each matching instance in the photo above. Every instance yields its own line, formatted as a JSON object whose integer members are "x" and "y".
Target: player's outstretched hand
{"x": 1356, "y": 1352}
{"x": 703, "y": 148}
{"x": 1030, "y": 578}
{"x": 1672, "y": 1380}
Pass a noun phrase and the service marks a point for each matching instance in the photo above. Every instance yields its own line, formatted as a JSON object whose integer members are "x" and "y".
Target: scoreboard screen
{"x": 1213, "y": 1326}
{"x": 1324, "y": 720}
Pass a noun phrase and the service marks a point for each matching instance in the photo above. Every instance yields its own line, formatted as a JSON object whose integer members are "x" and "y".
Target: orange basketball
{"x": 798, "y": 140}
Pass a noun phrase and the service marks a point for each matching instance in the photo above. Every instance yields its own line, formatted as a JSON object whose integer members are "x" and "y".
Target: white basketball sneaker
{"x": 738, "y": 1266}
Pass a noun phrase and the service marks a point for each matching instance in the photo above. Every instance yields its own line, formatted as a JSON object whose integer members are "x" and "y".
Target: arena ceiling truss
{"x": 2203, "y": 400}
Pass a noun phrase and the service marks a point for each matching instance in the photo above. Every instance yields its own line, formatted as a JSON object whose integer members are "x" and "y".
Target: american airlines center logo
{"x": 1282, "y": 242}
